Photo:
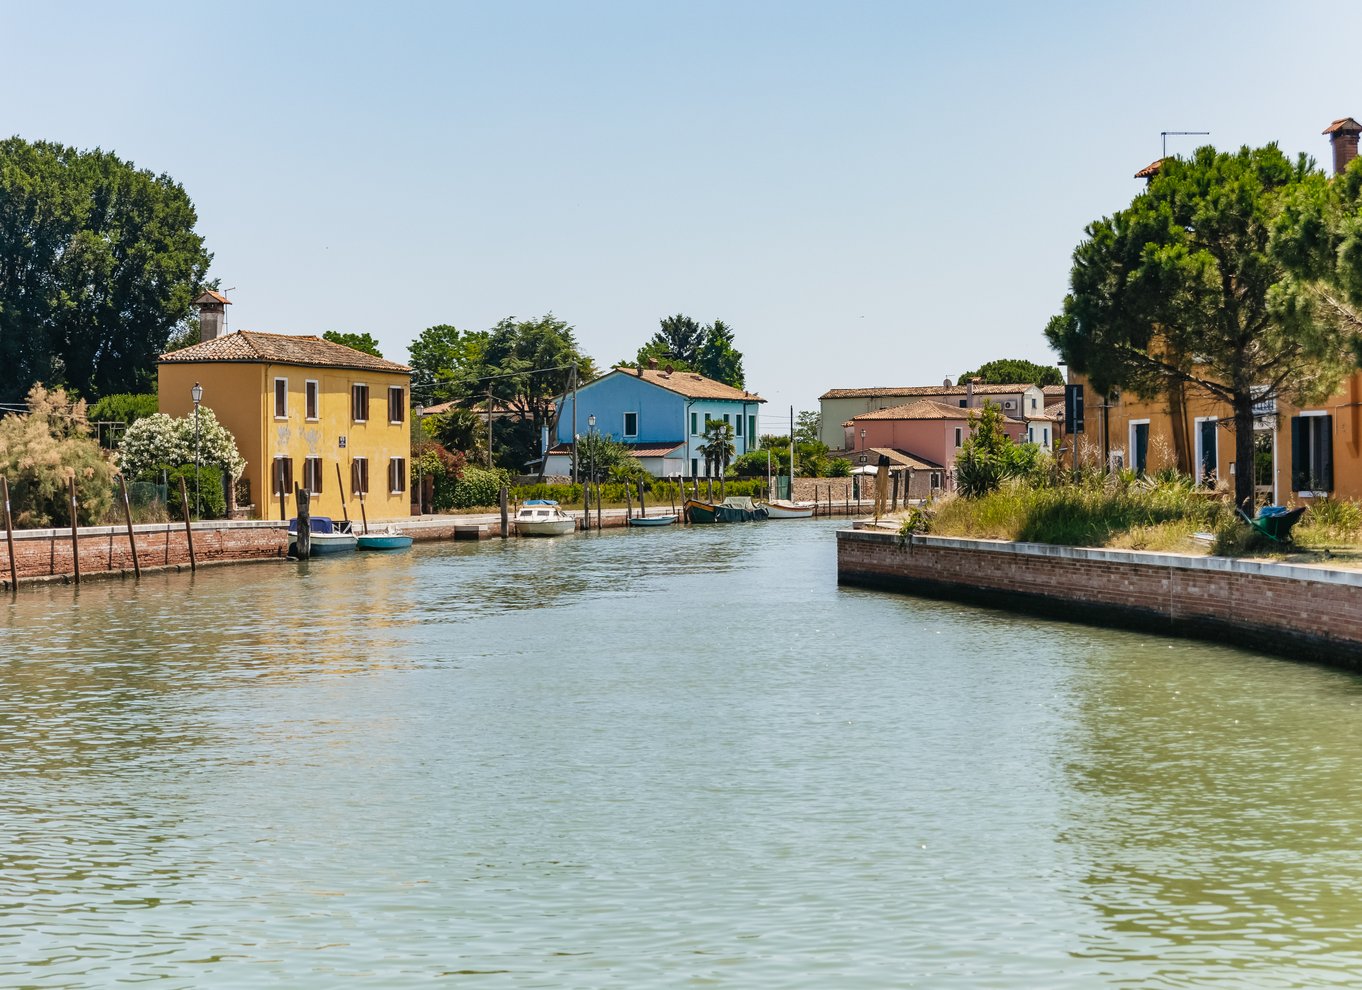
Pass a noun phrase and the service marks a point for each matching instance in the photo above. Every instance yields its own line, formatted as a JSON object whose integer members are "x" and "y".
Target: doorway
{"x": 1264, "y": 467}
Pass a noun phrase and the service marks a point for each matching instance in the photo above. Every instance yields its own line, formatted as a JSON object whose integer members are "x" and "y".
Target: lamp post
{"x": 591, "y": 434}
{"x": 197, "y": 393}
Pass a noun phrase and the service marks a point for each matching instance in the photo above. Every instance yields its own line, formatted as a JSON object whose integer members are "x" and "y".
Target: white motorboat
{"x": 543, "y": 517}
{"x": 780, "y": 508}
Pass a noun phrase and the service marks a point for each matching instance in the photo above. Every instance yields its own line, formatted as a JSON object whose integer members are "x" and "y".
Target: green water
{"x": 677, "y": 758}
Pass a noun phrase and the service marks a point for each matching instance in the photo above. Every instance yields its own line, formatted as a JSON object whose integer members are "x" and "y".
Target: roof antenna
{"x": 1164, "y": 135}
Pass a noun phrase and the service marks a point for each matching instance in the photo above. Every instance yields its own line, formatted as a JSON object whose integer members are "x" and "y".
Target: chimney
{"x": 212, "y": 314}
{"x": 969, "y": 393}
{"x": 946, "y": 383}
{"x": 1343, "y": 136}
{"x": 652, "y": 364}
{"x": 638, "y": 370}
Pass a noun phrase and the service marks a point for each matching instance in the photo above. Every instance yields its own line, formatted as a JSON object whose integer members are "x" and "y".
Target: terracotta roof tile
{"x": 924, "y": 409}
{"x": 635, "y": 449}
{"x": 903, "y": 458}
{"x": 252, "y": 347}
{"x": 916, "y": 390}
{"x": 1151, "y": 169}
{"x": 209, "y": 296}
{"x": 1344, "y": 125}
{"x": 689, "y": 384}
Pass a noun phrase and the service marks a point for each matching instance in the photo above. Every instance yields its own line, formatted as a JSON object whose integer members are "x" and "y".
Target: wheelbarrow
{"x": 1274, "y": 521}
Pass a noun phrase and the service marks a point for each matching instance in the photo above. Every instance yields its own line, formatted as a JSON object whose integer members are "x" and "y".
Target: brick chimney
{"x": 212, "y": 314}
{"x": 1343, "y": 136}
{"x": 652, "y": 364}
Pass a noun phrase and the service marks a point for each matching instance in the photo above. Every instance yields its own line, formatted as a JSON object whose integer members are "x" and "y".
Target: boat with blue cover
{"x": 326, "y": 536}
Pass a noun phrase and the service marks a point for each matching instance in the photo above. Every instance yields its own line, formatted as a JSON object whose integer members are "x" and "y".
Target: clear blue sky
{"x": 868, "y": 193}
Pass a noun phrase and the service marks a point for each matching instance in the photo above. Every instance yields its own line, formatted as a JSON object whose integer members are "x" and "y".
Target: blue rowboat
{"x": 389, "y": 539}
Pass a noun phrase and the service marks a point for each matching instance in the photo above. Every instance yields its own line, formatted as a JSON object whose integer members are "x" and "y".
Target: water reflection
{"x": 643, "y": 759}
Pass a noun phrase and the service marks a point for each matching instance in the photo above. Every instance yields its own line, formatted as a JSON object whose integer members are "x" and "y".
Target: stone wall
{"x": 1306, "y": 613}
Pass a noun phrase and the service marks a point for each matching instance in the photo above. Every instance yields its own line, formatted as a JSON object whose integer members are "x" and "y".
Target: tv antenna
{"x": 1164, "y": 135}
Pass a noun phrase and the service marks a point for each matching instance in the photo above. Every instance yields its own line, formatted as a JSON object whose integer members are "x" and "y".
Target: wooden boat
{"x": 326, "y": 536}
{"x": 388, "y": 539}
{"x": 666, "y": 520}
{"x": 780, "y": 508}
{"x": 735, "y": 508}
{"x": 543, "y": 517}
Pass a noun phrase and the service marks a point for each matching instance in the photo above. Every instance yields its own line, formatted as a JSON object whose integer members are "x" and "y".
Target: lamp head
{"x": 197, "y": 393}
{"x": 591, "y": 421}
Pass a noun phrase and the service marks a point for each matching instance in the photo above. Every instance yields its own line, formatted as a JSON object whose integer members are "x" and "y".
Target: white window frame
{"x": 275, "y": 399}
{"x": 624, "y": 424}
{"x": 1306, "y": 414}
{"x": 397, "y": 475}
{"x": 1130, "y": 429}
{"x": 401, "y": 405}
{"x": 368, "y": 398}
{"x": 312, "y": 395}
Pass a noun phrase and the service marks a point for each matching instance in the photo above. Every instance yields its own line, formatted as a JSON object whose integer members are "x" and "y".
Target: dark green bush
{"x": 210, "y": 497}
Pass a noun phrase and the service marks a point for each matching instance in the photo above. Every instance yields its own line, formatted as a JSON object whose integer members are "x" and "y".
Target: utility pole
{"x": 489, "y": 427}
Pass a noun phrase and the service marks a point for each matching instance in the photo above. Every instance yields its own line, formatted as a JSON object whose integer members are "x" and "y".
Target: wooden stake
{"x": 502, "y": 497}
{"x": 127, "y": 516}
{"x": 9, "y": 536}
{"x": 628, "y": 503}
{"x": 363, "y": 515}
{"x": 304, "y": 537}
{"x": 642, "y": 509}
{"x": 188, "y": 529}
{"x": 340, "y": 484}
{"x": 599, "y": 513}
{"x": 75, "y": 539}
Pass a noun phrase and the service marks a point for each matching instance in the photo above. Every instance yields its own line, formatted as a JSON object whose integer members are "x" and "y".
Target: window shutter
{"x": 1300, "y": 470}
{"x": 1324, "y": 444}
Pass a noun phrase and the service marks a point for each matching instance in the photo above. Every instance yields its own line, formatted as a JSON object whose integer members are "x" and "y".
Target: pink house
{"x": 924, "y": 430}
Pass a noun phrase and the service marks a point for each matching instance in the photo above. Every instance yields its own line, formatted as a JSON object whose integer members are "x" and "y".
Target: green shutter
{"x": 1300, "y": 467}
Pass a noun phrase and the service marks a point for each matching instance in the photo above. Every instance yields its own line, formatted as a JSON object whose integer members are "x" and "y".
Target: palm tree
{"x": 718, "y": 449}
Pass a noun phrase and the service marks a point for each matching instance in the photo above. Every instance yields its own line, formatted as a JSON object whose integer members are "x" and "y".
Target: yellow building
{"x": 304, "y": 410}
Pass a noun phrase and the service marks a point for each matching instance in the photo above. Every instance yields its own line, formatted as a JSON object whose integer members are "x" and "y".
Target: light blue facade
{"x": 623, "y": 402}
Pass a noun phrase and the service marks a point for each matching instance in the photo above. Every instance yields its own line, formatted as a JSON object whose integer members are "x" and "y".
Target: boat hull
{"x": 708, "y": 512}
{"x": 790, "y": 510}
{"x": 382, "y": 541}
{"x": 652, "y": 520}
{"x": 325, "y": 544}
{"x": 546, "y": 527}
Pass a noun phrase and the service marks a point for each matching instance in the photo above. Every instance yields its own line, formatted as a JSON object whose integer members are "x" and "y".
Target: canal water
{"x": 677, "y": 758}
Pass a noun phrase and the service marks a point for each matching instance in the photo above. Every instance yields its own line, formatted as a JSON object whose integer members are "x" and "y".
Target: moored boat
{"x": 387, "y": 539}
{"x": 735, "y": 508}
{"x": 666, "y": 520}
{"x": 543, "y": 517}
{"x": 325, "y": 536}
{"x": 784, "y": 509}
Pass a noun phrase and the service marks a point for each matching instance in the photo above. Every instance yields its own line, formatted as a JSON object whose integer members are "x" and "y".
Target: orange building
{"x": 303, "y": 409}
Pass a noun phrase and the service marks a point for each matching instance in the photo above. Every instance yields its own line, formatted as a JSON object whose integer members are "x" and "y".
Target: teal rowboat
{"x": 389, "y": 539}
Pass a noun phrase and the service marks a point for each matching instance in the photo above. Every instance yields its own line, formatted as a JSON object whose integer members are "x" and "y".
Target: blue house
{"x": 660, "y": 414}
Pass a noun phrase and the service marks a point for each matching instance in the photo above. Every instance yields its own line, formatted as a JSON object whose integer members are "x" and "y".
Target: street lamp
{"x": 197, "y": 393}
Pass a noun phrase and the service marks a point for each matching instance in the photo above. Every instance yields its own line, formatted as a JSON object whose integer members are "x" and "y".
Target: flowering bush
{"x": 42, "y": 451}
{"x": 161, "y": 442}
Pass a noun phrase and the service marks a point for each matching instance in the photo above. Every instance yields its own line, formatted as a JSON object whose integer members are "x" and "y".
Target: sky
{"x": 867, "y": 193}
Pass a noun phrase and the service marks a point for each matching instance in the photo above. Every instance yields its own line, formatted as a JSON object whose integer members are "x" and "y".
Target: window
{"x": 1207, "y": 454}
{"x": 727, "y": 422}
{"x": 1139, "y": 445}
{"x": 359, "y": 476}
{"x": 283, "y": 476}
{"x": 397, "y": 475}
{"x": 359, "y": 403}
{"x": 1033, "y": 404}
{"x": 694, "y": 424}
{"x": 312, "y": 475}
{"x": 695, "y": 467}
{"x": 752, "y": 427}
{"x": 281, "y": 398}
{"x": 310, "y": 398}
{"x": 631, "y": 424}
{"x": 936, "y": 480}
{"x": 397, "y": 404}
{"x": 1045, "y": 433}
{"x": 1312, "y": 461}
{"x": 959, "y": 436}
{"x": 962, "y": 403}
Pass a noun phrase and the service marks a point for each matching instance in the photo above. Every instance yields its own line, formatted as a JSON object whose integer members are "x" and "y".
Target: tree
{"x": 1014, "y": 371}
{"x": 988, "y": 457}
{"x": 446, "y": 363}
{"x": 718, "y": 358}
{"x": 42, "y": 450}
{"x": 718, "y": 447}
{"x": 99, "y": 263}
{"x": 678, "y": 339}
{"x": 359, "y": 341}
{"x": 809, "y": 427}
{"x": 1182, "y": 288}
{"x": 599, "y": 456}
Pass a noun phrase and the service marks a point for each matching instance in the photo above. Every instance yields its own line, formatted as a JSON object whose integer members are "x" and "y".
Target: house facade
{"x": 659, "y": 413}
{"x": 302, "y": 409}
{"x": 1020, "y": 401}
{"x": 928, "y": 434}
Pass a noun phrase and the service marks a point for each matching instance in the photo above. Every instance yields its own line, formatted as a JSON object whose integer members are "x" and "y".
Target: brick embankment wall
{"x": 1305, "y": 613}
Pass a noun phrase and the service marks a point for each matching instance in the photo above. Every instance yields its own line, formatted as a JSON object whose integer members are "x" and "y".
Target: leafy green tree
{"x": 99, "y": 263}
{"x": 42, "y": 450}
{"x": 446, "y": 363}
{"x": 1014, "y": 371}
{"x": 359, "y": 341}
{"x": 599, "y": 456}
{"x": 988, "y": 457}
{"x": 718, "y": 358}
{"x": 1183, "y": 287}
{"x": 124, "y": 407}
{"x": 809, "y": 427}
{"x": 718, "y": 448}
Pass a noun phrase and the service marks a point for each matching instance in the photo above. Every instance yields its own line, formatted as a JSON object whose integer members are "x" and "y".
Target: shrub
{"x": 478, "y": 487}
{"x": 125, "y": 407}
{"x": 160, "y": 442}
{"x": 839, "y": 467}
{"x": 211, "y": 503}
{"x": 41, "y": 451}
{"x": 442, "y": 465}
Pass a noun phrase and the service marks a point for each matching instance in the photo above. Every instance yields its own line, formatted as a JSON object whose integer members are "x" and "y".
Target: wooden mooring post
{"x": 127, "y": 517}
{"x": 75, "y": 537}
{"x": 9, "y": 536}
{"x": 503, "y": 500}
{"x": 304, "y": 537}
{"x": 188, "y": 527}
{"x": 340, "y": 488}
